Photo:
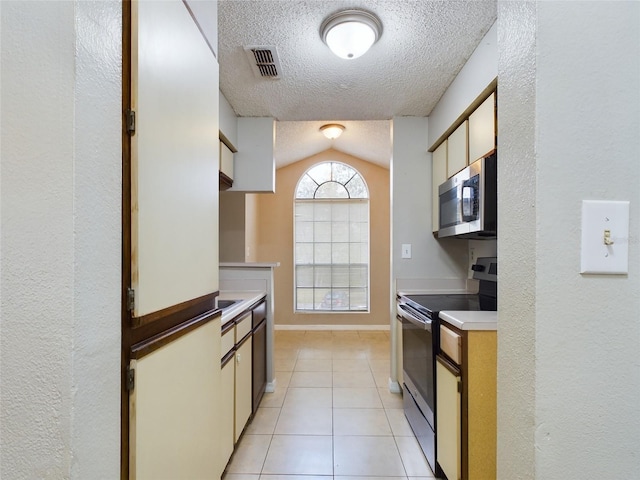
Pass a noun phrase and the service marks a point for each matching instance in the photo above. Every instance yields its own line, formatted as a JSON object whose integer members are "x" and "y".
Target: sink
{"x": 223, "y": 304}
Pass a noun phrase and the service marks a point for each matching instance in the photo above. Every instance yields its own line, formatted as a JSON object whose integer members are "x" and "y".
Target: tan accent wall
{"x": 275, "y": 241}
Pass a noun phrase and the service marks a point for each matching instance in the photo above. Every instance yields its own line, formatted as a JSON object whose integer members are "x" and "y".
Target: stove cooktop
{"x": 427, "y": 304}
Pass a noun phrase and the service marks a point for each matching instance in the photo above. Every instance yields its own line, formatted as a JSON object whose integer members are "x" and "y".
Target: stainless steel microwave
{"x": 468, "y": 201}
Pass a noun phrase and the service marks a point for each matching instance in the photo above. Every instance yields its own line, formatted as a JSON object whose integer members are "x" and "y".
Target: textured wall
{"x": 60, "y": 262}
{"x": 516, "y": 240}
{"x": 569, "y": 374}
{"x": 275, "y": 241}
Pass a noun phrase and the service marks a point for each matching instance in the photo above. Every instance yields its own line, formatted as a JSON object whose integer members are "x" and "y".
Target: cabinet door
{"x": 448, "y": 419}
{"x": 174, "y": 157}
{"x": 482, "y": 129}
{"x": 226, "y": 414}
{"x": 243, "y": 387}
{"x": 226, "y": 160}
{"x": 438, "y": 176}
{"x": 457, "y": 157}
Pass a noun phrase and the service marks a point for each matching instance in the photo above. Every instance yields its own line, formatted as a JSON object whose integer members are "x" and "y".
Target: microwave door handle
{"x": 467, "y": 203}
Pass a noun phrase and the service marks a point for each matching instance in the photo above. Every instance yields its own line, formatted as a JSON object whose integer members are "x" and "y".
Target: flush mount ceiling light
{"x": 350, "y": 33}
{"x": 332, "y": 130}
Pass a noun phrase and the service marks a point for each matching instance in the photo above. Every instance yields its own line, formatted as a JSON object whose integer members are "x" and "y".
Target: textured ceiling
{"x": 422, "y": 48}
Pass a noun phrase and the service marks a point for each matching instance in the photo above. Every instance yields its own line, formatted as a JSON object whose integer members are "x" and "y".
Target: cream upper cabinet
{"x": 438, "y": 176}
{"x": 482, "y": 129}
{"x": 457, "y": 151}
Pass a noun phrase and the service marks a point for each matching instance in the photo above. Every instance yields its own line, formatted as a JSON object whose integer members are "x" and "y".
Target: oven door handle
{"x": 407, "y": 315}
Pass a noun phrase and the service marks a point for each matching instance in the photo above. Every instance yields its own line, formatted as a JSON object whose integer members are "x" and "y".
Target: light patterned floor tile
{"x": 367, "y": 456}
{"x": 412, "y": 458}
{"x": 240, "y": 476}
{"x": 299, "y": 455}
{"x": 356, "y": 398}
{"x": 351, "y": 365}
{"x": 308, "y": 397}
{"x": 304, "y": 421}
{"x": 274, "y": 399}
{"x": 353, "y": 380}
{"x": 390, "y": 400}
{"x": 313, "y": 365}
{"x": 311, "y": 379}
{"x": 250, "y": 454}
{"x": 360, "y": 421}
{"x": 399, "y": 423}
{"x": 263, "y": 422}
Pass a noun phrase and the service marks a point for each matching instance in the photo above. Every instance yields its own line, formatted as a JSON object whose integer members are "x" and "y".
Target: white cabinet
{"x": 457, "y": 152}
{"x": 448, "y": 418}
{"x": 254, "y": 162}
{"x": 226, "y": 161}
{"x": 438, "y": 176}
{"x": 482, "y": 129}
{"x": 243, "y": 385}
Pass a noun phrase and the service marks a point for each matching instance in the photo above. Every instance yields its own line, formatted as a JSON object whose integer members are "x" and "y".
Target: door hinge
{"x": 130, "y": 380}
{"x": 131, "y": 299}
{"x": 131, "y": 122}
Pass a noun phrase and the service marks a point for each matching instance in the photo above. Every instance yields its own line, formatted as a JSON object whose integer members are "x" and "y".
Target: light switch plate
{"x": 406, "y": 250}
{"x": 605, "y": 237}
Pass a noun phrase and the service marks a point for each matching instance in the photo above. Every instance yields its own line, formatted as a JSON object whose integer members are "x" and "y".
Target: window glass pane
{"x": 340, "y": 277}
{"x": 358, "y": 276}
{"x": 322, "y": 298}
{"x": 304, "y": 231}
{"x": 340, "y": 232}
{"x": 322, "y": 211}
{"x": 304, "y": 298}
{"x": 306, "y": 187}
{"x": 320, "y": 173}
{"x": 322, "y": 252}
{"x": 342, "y": 173}
{"x": 331, "y": 190}
{"x": 358, "y": 253}
{"x": 357, "y": 188}
{"x": 322, "y": 232}
{"x": 322, "y": 276}
{"x": 358, "y": 211}
{"x": 340, "y": 211}
{"x": 304, "y": 276}
{"x": 304, "y": 211}
{"x": 340, "y": 253}
{"x": 358, "y": 298}
{"x": 304, "y": 253}
{"x": 359, "y": 232}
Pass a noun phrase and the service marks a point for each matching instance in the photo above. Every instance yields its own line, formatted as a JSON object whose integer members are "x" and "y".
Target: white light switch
{"x": 406, "y": 250}
{"x": 605, "y": 237}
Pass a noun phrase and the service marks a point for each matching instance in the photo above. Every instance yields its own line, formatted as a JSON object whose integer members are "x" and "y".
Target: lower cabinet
{"x": 448, "y": 418}
{"x": 243, "y": 386}
{"x": 227, "y": 409}
{"x": 466, "y": 403}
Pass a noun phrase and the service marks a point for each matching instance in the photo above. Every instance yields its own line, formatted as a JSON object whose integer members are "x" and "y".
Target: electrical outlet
{"x": 406, "y": 250}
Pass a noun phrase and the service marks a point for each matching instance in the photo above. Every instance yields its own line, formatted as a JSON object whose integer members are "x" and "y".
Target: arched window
{"x": 331, "y": 240}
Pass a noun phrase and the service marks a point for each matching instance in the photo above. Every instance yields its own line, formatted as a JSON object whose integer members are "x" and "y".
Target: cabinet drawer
{"x": 227, "y": 340}
{"x": 451, "y": 344}
{"x": 259, "y": 313}
{"x": 243, "y": 326}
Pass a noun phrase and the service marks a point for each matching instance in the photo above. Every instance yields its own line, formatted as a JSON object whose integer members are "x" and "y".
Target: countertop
{"x": 465, "y": 320}
{"x": 248, "y": 298}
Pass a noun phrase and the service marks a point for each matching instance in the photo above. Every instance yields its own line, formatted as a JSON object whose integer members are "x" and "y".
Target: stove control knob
{"x": 478, "y": 268}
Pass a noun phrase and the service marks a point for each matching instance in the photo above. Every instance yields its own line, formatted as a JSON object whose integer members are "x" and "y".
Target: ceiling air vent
{"x": 264, "y": 61}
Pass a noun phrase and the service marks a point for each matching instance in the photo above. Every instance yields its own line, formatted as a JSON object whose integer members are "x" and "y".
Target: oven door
{"x": 418, "y": 359}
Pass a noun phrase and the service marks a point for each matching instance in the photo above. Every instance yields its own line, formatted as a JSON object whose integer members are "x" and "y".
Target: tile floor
{"x": 332, "y": 415}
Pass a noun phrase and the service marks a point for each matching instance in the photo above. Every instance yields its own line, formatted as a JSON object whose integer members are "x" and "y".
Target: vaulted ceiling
{"x": 423, "y": 46}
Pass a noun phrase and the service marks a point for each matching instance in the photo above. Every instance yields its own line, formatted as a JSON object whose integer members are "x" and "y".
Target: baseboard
{"x": 394, "y": 387}
{"x": 271, "y": 387}
{"x": 333, "y": 327}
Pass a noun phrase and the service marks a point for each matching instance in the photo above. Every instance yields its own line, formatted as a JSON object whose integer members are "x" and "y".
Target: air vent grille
{"x": 264, "y": 61}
